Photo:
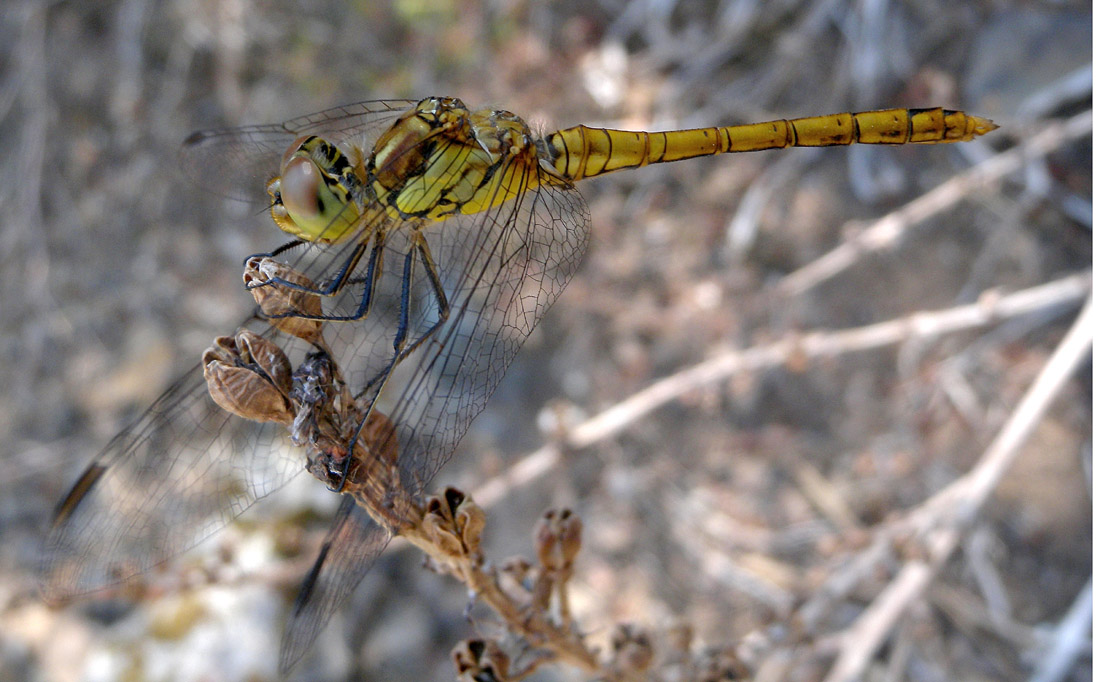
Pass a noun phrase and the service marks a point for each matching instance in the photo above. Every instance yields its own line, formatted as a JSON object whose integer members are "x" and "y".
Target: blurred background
{"x": 115, "y": 274}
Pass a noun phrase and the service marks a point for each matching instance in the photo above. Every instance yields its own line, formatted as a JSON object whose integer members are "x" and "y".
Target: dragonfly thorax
{"x": 439, "y": 160}
{"x": 314, "y": 195}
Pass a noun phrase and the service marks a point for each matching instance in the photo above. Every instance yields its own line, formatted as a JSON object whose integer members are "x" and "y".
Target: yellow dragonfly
{"x": 487, "y": 228}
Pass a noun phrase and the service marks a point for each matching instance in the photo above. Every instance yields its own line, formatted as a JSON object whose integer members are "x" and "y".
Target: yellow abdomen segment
{"x": 582, "y": 152}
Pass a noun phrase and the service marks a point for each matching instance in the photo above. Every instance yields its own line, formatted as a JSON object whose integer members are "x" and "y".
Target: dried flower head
{"x": 285, "y": 305}
{"x": 481, "y": 661}
{"x": 249, "y": 376}
{"x": 558, "y": 539}
{"x": 631, "y": 649}
{"x": 454, "y": 522}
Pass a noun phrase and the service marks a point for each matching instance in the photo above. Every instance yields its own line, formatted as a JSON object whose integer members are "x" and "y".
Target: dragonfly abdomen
{"x": 582, "y": 152}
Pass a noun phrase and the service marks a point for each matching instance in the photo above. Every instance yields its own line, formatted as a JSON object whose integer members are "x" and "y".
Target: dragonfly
{"x": 435, "y": 237}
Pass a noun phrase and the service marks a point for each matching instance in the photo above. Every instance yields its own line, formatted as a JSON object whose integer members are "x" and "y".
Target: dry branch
{"x": 991, "y": 307}
{"x": 942, "y": 519}
{"x": 889, "y": 229}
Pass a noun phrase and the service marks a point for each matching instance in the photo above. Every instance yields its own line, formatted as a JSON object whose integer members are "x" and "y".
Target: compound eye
{"x": 300, "y": 186}
{"x": 292, "y": 151}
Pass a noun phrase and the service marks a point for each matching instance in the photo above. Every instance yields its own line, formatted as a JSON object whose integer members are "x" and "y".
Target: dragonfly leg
{"x": 401, "y": 349}
{"x": 333, "y": 287}
{"x": 374, "y": 271}
{"x": 292, "y": 244}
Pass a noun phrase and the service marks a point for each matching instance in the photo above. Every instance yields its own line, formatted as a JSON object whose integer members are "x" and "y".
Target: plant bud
{"x": 469, "y": 519}
{"x": 440, "y": 525}
{"x": 249, "y": 376}
{"x": 284, "y": 305}
{"x": 558, "y": 539}
{"x": 480, "y": 660}
{"x": 632, "y": 649}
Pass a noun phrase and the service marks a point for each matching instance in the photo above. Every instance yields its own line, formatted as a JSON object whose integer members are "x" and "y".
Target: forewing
{"x": 502, "y": 272}
{"x": 182, "y": 471}
{"x": 186, "y": 467}
{"x": 348, "y": 553}
{"x": 239, "y": 162}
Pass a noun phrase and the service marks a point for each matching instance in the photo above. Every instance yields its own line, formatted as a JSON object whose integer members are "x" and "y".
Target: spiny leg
{"x": 292, "y": 244}
{"x": 398, "y": 345}
{"x": 370, "y": 281}
{"x": 332, "y": 288}
{"x": 401, "y": 349}
{"x": 372, "y": 224}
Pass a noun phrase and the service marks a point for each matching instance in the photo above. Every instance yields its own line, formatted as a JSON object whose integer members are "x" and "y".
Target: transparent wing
{"x": 179, "y": 473}
{"x": 239, "y": 162}
{"x": 500, "y": 270}
{"x": 347, "y": 555}
{"x": 186, "y": 468}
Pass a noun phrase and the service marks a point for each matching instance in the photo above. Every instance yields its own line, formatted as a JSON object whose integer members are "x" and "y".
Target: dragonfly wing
{"x": 499, "y": 269}
{"x": 362, "y": 121}
{"x": 182, "y": 471}
{"x": 239, "y": 162}
{"x": 349, "y": 551}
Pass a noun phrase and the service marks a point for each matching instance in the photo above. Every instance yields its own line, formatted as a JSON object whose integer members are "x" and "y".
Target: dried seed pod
{"x": 454, "y": 522}
{"x": 439, "y": 523}
{"x": 249, "y": 376}
{"x": 632, "y": 649}
{"x": 375, "y": 457}
{"x": 284, "y": 305}
{"x": 316, "y": 391}
{"x": 469, "y": 521}
{"x": 721, "y": 664}
{"x": 558, "y": 539}
{"x": 480, "y": 660}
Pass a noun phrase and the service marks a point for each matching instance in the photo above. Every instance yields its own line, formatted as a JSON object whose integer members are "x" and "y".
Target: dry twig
{"x": 889, "y": 230}
{"x": 941, "y": 520}
{"x": 991, "y": 307}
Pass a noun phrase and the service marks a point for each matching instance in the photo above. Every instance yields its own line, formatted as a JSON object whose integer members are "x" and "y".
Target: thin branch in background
{"x": 1075, "y": 86}
{"x": 1069, "y": 640}
{"x": 941, "y": 520}
{"x": 991, "y": 307}
{"x": 887, "y": 231}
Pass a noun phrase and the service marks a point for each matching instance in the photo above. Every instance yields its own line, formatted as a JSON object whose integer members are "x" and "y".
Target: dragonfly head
{"x": 313, "y": 197}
